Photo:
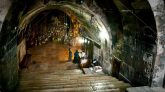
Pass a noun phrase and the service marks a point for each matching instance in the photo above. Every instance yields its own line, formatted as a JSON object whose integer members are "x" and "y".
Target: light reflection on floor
{"x": 47, "y": 55}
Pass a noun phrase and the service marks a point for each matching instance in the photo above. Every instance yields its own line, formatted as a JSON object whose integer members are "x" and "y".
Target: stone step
{"x": 56, "y": 86}
{"x": 66, "y": 76}
{"x": 109, "y": 90}
{"x": 146, "y": 89}
{"x": 51, "y": 71}
{"x": 61, "y": 77}
{"x": 111, "y": 86}
{"x": 82, "y": 89}
{"x": 67, "y": 79}
{"x": 72, "y": 83}
{"x": 47, "y": 74}
{"x": 59, "y": 74}
{"x": 77, "y": 89}
{"x": 68, "y": 82}
{"x": 95, "y": 87}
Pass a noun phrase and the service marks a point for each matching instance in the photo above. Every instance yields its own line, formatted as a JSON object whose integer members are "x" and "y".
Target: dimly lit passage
{"x": 82, "y": 46}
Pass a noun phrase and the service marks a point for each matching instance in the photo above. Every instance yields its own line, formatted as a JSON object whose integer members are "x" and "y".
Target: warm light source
{"x": 85, "y": 40}
{"x": 103, "y": 35}
{"x": 80, "y": 40}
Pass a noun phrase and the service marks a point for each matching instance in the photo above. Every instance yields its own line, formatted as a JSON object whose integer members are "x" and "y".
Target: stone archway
{"x": 93, "y": 29}
{"x": 9, "y": 45}
{"x": 83, "y": 18}
{"x": 9, "y": 66}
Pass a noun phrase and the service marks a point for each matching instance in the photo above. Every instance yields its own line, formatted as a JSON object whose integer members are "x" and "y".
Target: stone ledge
{"x": 145, "y": 89}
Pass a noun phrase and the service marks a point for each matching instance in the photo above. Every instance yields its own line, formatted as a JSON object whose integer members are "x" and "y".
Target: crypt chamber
{"x": 123, "y": 42}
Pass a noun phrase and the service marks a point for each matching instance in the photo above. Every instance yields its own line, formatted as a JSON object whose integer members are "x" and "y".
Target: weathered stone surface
{"x": 8, "y": 58}
{"x": 137, "y": 49}
{"x": 145, "y": 89}
{"x": 9, "y": 70}
{"x": 4, "y": 7}
{"x": 158, "y": 8}
{"x": 54, "y": 76}
{"x": 142, "y": 46}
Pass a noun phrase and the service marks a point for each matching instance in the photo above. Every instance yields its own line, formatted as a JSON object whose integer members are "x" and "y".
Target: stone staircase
{"x": 66, "y": 77}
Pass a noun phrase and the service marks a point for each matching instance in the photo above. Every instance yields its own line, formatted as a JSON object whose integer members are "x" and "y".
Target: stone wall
{"x": 8, "y": 56}
{"x": 96, "y": 52}
{"x": 9, "y": 66}
{"x": 135, "y": 43}
{"x": 143, "y": 51}
{"x": 137, "y": 51}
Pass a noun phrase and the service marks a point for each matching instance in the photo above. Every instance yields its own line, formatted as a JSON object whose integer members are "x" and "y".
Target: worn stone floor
{"x": 50, "y": 71}
{"x": 52, "y": 52}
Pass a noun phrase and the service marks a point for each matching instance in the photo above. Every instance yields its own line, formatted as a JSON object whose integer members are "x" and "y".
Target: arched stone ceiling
{"x": 84, "y": 17}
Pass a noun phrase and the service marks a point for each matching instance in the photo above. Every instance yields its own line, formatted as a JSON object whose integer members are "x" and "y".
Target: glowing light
{"x": 103, "y": 35}
{"x": 85, "y": 40}
{"x": 80, "y": 40}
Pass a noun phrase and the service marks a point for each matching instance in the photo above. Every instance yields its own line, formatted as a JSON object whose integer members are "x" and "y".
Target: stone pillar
{"x": 158, "y": 8}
